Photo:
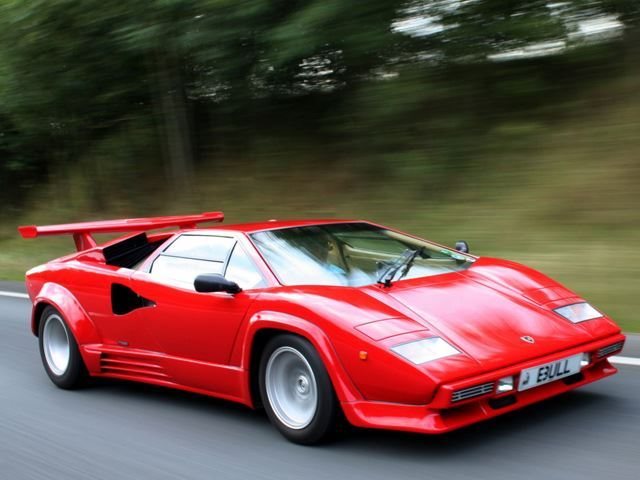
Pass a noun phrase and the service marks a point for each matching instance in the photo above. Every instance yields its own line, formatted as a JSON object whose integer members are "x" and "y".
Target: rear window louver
{"x": 129, "y": 251}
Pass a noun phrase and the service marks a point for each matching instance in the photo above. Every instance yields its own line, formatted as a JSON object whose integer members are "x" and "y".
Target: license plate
{"x": 549, "y": 372}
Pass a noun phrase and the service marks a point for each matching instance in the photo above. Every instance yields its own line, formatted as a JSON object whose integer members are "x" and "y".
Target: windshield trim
{"x": 249, "y": 235}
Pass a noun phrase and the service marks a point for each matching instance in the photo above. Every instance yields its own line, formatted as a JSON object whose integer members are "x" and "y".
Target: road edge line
{"x": 625, "y": 360}
{"x": 13, "y": 294}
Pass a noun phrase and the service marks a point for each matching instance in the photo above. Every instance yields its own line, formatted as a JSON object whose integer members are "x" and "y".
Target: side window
{"x": 243, "y": 271}
{"x": 191, "y": 255}
{"x": 201, "y": 247}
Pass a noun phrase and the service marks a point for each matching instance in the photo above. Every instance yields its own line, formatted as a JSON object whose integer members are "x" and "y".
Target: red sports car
{"x": 313, "y": 319}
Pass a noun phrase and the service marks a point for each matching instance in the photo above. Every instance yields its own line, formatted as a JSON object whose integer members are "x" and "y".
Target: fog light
{"x": 586, "y": 360}
{"x": 505, "y": 384}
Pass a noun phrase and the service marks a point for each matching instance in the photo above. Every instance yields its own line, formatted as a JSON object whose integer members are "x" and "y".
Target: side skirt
{"x": 220, "y": 381}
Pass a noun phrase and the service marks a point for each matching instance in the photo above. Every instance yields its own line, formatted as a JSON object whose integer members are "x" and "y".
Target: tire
{"x": 59, "y": 351}
{"x": 296, "y": 390}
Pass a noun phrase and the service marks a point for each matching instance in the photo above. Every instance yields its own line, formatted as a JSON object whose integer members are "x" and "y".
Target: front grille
{"x": 471, "y": 392}
{"x": 604, "y": 351}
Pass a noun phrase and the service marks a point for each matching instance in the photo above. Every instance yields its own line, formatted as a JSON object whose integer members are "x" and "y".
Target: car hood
{"x": 491, "y": 318}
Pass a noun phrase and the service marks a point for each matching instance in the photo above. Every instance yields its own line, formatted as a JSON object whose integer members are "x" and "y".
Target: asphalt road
{"x": 119, "y": 430}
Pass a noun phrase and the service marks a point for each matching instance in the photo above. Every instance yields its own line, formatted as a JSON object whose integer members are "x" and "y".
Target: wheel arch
{"x": 36, "y": 315}
{"x": 58, "y": 297}
{"x": 264, "y": 326}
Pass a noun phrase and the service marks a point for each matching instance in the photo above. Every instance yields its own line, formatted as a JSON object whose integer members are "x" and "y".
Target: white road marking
{"x": 13, "y": 294}
{"x": 625, "y": 360}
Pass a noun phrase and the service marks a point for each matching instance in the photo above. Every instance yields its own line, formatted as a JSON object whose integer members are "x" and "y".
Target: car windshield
{"x": 350, "y": 254}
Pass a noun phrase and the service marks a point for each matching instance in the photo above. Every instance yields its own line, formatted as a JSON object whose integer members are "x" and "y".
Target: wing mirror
{"x": 462, "y": 246}
{"x": 214, "y": 282}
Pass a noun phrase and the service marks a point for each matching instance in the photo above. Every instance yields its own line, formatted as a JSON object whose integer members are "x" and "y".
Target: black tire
{"x": 323, "y": 423}
{"x": 75, "y": 373}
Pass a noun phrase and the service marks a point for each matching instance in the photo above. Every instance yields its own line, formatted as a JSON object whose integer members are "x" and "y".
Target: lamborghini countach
{"x": 313, "y": 321}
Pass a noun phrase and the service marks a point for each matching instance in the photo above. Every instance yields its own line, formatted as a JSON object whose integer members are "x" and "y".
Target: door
{"x": 193, "y": 326}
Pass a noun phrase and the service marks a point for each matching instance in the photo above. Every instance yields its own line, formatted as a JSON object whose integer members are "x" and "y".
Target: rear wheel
{"x": 59, "y": 351}
{"x": 296, "y": 390}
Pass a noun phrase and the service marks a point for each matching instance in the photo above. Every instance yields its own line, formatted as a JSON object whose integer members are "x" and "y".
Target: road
{"x": 119, "y": 430}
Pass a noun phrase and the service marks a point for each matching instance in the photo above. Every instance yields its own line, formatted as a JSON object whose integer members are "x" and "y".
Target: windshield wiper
{"x": 405, "y": 260}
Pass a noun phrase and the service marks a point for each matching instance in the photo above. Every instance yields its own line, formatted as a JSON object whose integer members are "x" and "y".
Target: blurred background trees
{"x": 381, "y": 76}
{"x": 513, "y": 122}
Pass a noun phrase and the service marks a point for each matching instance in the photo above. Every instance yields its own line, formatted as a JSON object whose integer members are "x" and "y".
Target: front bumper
{"x": 442, "y": 415}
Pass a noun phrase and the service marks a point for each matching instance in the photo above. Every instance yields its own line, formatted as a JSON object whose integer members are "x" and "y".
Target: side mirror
{"x": 462, "y": 246}
{"x": 214, "y": 282}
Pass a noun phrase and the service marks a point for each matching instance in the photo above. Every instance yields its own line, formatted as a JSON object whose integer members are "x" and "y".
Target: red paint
{"x": 82, "y": 231}
{"x": 204, "y": 342}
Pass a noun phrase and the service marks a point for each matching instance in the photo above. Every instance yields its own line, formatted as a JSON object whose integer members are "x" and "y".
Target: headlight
{"x": 425, "y": 350}
{"x": 578, "y": 312}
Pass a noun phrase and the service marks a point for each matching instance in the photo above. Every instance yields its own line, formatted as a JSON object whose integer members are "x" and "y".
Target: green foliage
{"x": 72, "y": 71}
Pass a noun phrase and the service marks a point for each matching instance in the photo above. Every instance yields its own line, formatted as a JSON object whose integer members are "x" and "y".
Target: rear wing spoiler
{"x": 82, "y": 232}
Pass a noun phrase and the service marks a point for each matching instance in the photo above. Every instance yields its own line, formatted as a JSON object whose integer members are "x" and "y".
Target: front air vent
{"x": 604, "y": 351}
{"x": 471, "y": 392}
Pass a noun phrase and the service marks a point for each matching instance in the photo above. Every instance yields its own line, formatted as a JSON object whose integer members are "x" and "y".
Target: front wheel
{"x": 296, "y": 390}
{"x": 59, "y": 351}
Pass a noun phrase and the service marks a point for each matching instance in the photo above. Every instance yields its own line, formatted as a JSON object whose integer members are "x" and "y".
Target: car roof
{"x": 275, "y": 225}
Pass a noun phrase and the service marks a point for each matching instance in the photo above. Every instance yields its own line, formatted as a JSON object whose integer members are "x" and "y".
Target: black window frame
{"x": 224, "y": 263}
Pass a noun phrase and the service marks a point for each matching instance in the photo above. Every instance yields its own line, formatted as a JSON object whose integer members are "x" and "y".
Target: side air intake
{"x": 117, "y": 364}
